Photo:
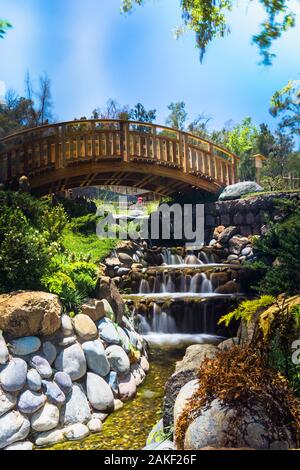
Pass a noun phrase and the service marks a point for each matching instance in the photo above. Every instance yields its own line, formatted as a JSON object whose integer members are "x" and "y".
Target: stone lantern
{"x": 258, "y": 161}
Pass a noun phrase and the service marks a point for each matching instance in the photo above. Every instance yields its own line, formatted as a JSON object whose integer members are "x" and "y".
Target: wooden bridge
{"x": 114, "y": 152}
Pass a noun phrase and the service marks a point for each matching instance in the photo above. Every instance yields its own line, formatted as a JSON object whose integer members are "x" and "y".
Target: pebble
{"x": 42, "y": 366}
{"x": 99, "y": 393}
{"x": 30, "y": 402}
{"x": 45, "y": 419}
{"x": 34, "y": 380}
{"x": 54, "y": 393}
{"x": 76, "y": 432}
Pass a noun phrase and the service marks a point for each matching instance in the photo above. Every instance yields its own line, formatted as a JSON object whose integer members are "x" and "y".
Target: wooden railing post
{"x": 124, "y": 141}
{"x": 185, "y": 152}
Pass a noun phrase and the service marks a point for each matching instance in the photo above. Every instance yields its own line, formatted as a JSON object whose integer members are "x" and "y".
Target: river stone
{"x": 235, "y": 191}
{"x": 34, "y": 380}
{"x": 101, "y": 416}
{"x": 195, "y": 355}
{"x": 29, "y": 313}
{"x": 7, "y": 402}
{"x": 127, "y": 387}
{"x": 76, "y": 409}
{"x": 63, "y": 380}
{"x": 138, "y": 374}
{"x": 145, "y": 364}
{"x": 99, "y": 393}
{"x": 95, "y": 425}
{"x": 42, "y": 366}
{"x": 112, "y": 380}
{"x": 30, "y": 402}
{"x": 85, "y": 327}
{"x": 246, "y": 251}
{"x": 107, "y": 289}
{"x": 26, "y": 445}
{"x": 135, "y": 339}
{"x": 25, "y": 346}
{"x": 118, "y": 404}
{"x": 76, "y": 432}
{"x": 66, "y": 325}
{"x": 237, "y": 243}
{"x": 54, "y": 393}
{"x": 156, "y": 434}
{"x": 125, "y": 259}
{"x": 4, "y": 354}
{"x": 96, "y": 359}
{"x": 13, "y": 376}
{"x": 125, "y": 343}
{"x": 108, "y": 331}
{"x": 165, "y": 445}
{"x": 45, "y": 419}
{"x": 104, "y": 309}
{"x": 49, "y": 438}
{"x": 72, "y": 361}
{"x": 49, "y": 351}
{"x": 225, "y": 236}
{"x": 183, "y": 398}
{"x": 118, "y": 359}
{"x": 123, "y": 271}
{"x": 13, "y": 428}
{"x": 67, "y": 341}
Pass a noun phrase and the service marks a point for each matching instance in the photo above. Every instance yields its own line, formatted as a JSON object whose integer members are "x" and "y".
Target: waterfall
{"x": 192, "y": 259}
{"x": 196, "y": 283}
{"x": 144, "y": 287}
{"x": 206, "y": 286}
{"x": 162, "y": 322}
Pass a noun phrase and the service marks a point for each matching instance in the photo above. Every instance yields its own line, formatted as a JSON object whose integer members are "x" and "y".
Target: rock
{"x": 66, "y": 325}
{"x": 108, "y": 332}
{"x": 13, "y": 428}
{"x": 49, "y": 438}
{"x": 195, "y": 355}
{"x": 105, "y": 309}
{"x": 85, "y": 327}
{"x": 112, "y": 380}
{"x": 13, "y": 376}
{"x": 123, "y": 271}
{"x": 212, "y": 242}
{"x": 7, "y": 402}
{"x": 235, "y": 191}
{"x": 227, "y": 234}
{"x": 228, "y": 343}
{"x": 118, "y": 404}
{"x": 26, "y": 445}
{"x": 30, "y": 402}
{"x": 138, "y": 374}
{"x": 135, "y": 339}
{"x": 4, "y": 354}
{"x": 67, "y": 341}
{"x": 247, "y": 251}
{"x": 97, "y": 309}
{"x": 72, "y": 361}
{"x": 125, "y": 259}
{"x": 118, "y": 359}
{"x": 165, "y": 445}
{"x": 54, "y": 393}
{"x": 29, "y": 314}
{"x": 219, "y": 278}
{"x": 232, "y": 258}
{"x": 95, "y": 425}
{"x": 124, "y": 339}
{"x": 76, "y": 409}
{"x": 34, "y": 380}
{"x": 106, "y": 289}
{"x": 45, "y": 419}
{"x": 49, "y": 351}
{"x": 145, "y": 364}
{"x": 231, "y": 287}
{"x": 25, "y": 346}
{"x": 156, "y": 433}
{"x": 183, "y": 397}
{"x": 76, "y": 432}
{"x": 96, "y": 359}
{"x": 222, "y": 426}
{"x": 101, "y": 416}
{"x": 42, "y": 366}
{"x": 127, "y": 387}
{"x": 63, "y": 380}
{"x": 99, "y": 393}
{"x": 237, "y": 243}
{"x": 217, "y": 231}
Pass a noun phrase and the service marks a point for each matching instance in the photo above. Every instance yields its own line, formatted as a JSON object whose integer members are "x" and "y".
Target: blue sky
{"x": 92, "y": 53}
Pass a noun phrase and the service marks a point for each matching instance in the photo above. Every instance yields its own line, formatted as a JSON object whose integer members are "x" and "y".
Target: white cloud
{"x": 2, "y": 88}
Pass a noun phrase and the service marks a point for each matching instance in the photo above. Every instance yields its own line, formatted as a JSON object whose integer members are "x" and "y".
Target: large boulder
{"x": 99, "y": 393}
{"x": 29, "y": 314}
{"x": 235, "y": 191}
{"x": 107, "y": 289}
{"x": 77, "y": 408}
{"x": 13, "y": 428}
{"x": 13, "y": 376}
{"x": 85, "y": 327}
{"x": 72, "y": 361}
{"x": 96, "y": 359}
{"x": 118, "y": 359}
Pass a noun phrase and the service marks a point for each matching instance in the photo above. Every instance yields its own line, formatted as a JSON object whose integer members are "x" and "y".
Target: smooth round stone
{"x": 34, "y": 380}
{"x": 42, "y": 366}
{"x": 112, "y": 380}
{"x": 123, "y": 271}
{"x": 108, "y": 332}
{"x": 45, "y": 419}
{"x": 85, "y": 327}
{"x": 77, "y": 408}
{"x": 26, "y": 445}
{"x": 99, "y": 393}
{"x": 96, "y": 359}
{"x": 118, "y": 404}
{"x": 133, "y": 338}
{"x": 183, "y": 398}
{"x": 125, "y": 343}
{"x": 4, "y": 354}
{"x": 49, "y": 438}
{"x": 101, "y": 416}
{"x": 246, "y": 251}
{"x": 138, "y": 373}
{"x": 95, "y": 425}
{"x": 72, "y": 361}
{"x": 7, "y": 402}
{"x": 13, "y": 428}
{"x": 118, "y": 359}
{"x": 30, "y": 402}
{"x": 105, "y": 310}
{"x": 25, "y": 346}
{"x": 49, "y": 351}
{"x": 64, "y": 382}
{"x": 66, "y": 325}
{"x": 76, "y": 432}
{"x": 127, "y": 387}
{"x": 13, "y": 376}
{"x": 145, "y": 364}
{"x": 68, "y": 341}
{"x": 54, "y": 393}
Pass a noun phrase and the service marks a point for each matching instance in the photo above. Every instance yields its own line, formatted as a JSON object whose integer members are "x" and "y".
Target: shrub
{"x": 247, "y": 309}
{"x": 86, "y": 224}
{"x": 63, "y": 286}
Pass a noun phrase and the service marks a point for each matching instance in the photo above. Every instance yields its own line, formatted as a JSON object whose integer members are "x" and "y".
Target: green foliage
{"x": 178, "y": 116}
{"x": 4, "y": 26}
{"x": 85, "y": 224}
{"x": 78, "y": 207}
{"x": 273, "y": 183}
{"x": 88, "y": 245}
{"x": 62, "y": 285}
{"x": 286, "y": 103}
{"x": 247, "y": 309}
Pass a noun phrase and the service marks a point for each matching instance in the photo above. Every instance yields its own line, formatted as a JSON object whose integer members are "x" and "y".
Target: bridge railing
{"x": 35, "y": 151}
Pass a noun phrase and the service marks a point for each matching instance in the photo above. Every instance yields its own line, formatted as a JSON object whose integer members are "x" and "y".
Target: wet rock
{"x": 183, "y": 397}
{"x": 235, "y": 191}
{"x": 49, "y": 351}
{"x": 25, "y": 346}
{"x": 49, "y": 438}
{"x": 76, "y": 432}
{"x": 118, "y": 359}
{"x": 99, "y": 393}
{"x": 34, "y": 380}
{"x": 108, "y": 332}
{"x": 95, "y": 425}
{"x": 127, "y": 387}
{"x": 85, "y": 327}
{"x": 96, "y": 359}
{"x": 63, "y": 380}
{"x": 72, "y": 361}
{"x": 54, "y": 393}
{"x": 230, "y": 287}
{"x": 123, "y": 271}
{"x": 76, "y": 409}
{"x": 42, "y": 366}
{"x": 45, "y": 419}
{"x": 13, "y": 376}
{"x": 30, "y": 402}
{"x": 13, "y": 428}
{"x": 26, "y": 445}
{"x": 66, "y": 325}
{"x": 4, "y": 354}
{"x": 7, "y": 402}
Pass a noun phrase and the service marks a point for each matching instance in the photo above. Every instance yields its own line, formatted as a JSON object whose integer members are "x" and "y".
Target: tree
{"x": 208, "y": 19}
{"x": 286, "y": 103}
{"x": 178, "y": 116}
{"x": 4, "y": 26}
{"x": 112, "y": 110}
{"x": 199, "y": 126}
{"x": 40, "y": 102}
{"x": 139, "y": 113}
{"x": 278, "y": 155}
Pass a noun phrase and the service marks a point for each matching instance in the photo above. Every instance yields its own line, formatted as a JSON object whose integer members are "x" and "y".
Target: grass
{"x": 263, "y": 193}
{"x": 97, "y": 248}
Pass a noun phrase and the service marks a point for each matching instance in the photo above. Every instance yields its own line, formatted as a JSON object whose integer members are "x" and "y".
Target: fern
{"x": 247, "y": 309}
